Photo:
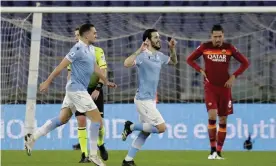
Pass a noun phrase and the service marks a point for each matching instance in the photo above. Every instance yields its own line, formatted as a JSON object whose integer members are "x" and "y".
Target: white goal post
{"x": 37, "y": 30}
{"x": 221, "y": 9}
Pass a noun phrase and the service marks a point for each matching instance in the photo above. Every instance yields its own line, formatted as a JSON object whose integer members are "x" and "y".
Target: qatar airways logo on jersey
{"x": 217, "y": 57}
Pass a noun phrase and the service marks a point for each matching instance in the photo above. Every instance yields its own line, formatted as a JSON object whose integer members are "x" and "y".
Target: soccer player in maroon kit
{"x": 217, "y": 84}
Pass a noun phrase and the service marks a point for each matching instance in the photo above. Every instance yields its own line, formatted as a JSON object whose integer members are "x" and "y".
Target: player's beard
{"x": 155, "y": 46}
{"x": 218, "y": 44}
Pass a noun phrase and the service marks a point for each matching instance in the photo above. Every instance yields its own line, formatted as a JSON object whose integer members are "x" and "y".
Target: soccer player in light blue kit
{"x": 77, "y": 97}
{"x": 149, "y": 62}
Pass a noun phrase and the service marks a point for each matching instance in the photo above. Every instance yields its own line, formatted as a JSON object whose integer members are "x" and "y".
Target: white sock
{"x": 94, "y": 132}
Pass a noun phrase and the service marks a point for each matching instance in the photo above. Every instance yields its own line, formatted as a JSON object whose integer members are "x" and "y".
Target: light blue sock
{"x": 55, "y": 122}
{"x": 47, "y": 127}
{"x": 136, "y": 145}
{"x": 131, "y": 153}
{"x": 146, "y": 127}
{"x": 94, "y": 132}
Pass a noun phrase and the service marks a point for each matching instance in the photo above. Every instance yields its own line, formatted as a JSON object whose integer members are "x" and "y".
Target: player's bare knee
{"x": 64, "y": 119}
{"x": 81, "y": 121}
{"x": 212, "y": 114}
{"x": 222, "y": 119}
{"x": 161, "y": 128}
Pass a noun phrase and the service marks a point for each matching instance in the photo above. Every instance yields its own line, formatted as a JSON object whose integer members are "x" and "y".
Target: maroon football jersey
{"x": 217, "y": 60}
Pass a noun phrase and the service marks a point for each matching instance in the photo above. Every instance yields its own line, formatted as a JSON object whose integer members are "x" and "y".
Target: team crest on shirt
{"x": 209, "y": 104}
{"x": 223, "y": 51}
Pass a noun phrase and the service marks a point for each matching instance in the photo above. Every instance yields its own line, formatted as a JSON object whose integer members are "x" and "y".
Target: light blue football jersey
{"x": 149, "y": 66}
{"x": 82, "y": 66}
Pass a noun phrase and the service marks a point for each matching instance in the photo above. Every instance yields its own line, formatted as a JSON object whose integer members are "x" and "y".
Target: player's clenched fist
{"x": 44, "y": 86}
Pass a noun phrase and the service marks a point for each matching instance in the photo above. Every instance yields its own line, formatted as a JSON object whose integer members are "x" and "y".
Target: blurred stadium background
{"x": 120, "y": 35}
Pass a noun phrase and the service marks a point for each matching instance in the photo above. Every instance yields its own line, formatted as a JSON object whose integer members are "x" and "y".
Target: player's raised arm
{"x": 242, "y": 59}
{"x": 63, "y": 64}
{"x": 173, "y": 57}
{"x": 130, "y": 61}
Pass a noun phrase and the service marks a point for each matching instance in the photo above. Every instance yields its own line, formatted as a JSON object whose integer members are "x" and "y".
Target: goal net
{"x": 121, "y": 34}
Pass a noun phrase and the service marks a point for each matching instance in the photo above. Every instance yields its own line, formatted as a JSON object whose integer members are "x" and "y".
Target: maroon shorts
{"x": 219, "y": 98}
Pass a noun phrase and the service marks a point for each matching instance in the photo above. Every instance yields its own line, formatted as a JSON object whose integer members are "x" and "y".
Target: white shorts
{"x": 148, "y": 112}
{"x": 80, "y": 100}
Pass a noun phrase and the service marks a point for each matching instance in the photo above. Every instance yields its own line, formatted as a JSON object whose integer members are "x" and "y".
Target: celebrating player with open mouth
{"x": 217, "y": 84}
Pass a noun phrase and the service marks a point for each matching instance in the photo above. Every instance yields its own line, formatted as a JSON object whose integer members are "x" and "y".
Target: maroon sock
{"x": 221, "y": 136}
{"x": 212, "y": 130}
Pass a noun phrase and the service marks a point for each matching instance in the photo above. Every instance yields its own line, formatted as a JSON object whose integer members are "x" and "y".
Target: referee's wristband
{"x": 99, "y": 86}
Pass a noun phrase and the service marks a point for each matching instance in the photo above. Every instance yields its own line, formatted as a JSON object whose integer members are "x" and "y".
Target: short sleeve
{"x": 72, "y": 55}
{"x": 165, "y": 59}
{"x": 101, "y": 59}
{"x": 139, "y": 60}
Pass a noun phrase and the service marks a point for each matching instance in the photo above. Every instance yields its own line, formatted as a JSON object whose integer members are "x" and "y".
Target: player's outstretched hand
{"x": 230, "y": 82}
{"x": 44, "y": 86}
{"x": 172, "y": 43}
{"x": 111, "y": 84}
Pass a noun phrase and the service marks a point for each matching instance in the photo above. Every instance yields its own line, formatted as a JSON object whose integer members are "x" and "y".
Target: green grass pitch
{"x": 143, "y": 158}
